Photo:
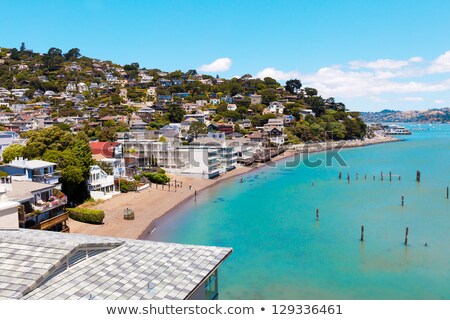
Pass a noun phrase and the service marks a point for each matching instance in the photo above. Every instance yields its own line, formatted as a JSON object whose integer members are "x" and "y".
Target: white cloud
{"x": 413, "y": 99}
{"x": 416, "y": 59}
{"x": 336, "y": 82}
{"x": 441, "y": 64}
{"x": 439, "y": 101}
{"x": 277, "y": 74}
{"x": 383, "y": 64}
{"x": 219, "y": 65}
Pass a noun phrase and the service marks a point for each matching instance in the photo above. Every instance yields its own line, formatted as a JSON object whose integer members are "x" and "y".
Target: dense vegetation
{"x": 21, "y": 68}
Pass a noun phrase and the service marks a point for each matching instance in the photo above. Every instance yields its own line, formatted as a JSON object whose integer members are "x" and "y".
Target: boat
{"x": 396, "y": 130}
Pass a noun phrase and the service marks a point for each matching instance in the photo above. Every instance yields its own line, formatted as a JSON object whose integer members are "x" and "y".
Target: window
{"x": 211, "y": 287}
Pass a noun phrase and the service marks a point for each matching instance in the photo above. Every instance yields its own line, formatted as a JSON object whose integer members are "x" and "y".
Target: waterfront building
{"x": 110, "y": 153}
{"x": 100, "y": 184}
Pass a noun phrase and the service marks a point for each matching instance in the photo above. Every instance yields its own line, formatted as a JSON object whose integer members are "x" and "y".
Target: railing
{"x": 46, "y": 177}
{"x": 49, "y": 223}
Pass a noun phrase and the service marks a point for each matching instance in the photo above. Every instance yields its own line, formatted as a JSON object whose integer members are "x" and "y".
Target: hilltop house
{"x": 274, "y": 107}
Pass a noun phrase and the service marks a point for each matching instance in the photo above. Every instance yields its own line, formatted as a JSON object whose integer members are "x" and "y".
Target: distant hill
{"x": 428, "y": 116}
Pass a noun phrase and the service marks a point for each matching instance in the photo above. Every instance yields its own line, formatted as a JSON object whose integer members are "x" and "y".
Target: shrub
{"x": 157, "y": 177}
{"x": 126, "y": 185}
{"x": 87, "y": 215}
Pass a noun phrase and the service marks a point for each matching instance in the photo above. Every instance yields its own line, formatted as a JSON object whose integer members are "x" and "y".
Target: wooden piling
{"x": 348, "y": 177}
{"x": 418, "y": 176}
{"x": 447, "y": 192}
{"x": 381, "y": 175}
{"x": 373, "y": 177}
{"x": 340, "y": 175}
{"x": 406, "y": 236}
{"x": 399, "y": 178}
{"x": 365, "y": 176}
{"x": 312, "y": 184}
{"x": 390, "y": 176}
{"x": 403, "y": 201}
{"x": 317, "y": 214}
{"x": 195, "y": 195}
{"x": 362, "y": 233}
{"x": 357, "y": 176}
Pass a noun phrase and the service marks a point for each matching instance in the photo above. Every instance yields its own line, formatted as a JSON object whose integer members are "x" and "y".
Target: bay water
{"x": 281, "y": 251}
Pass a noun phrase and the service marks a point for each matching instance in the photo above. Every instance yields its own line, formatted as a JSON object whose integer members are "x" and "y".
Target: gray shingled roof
{"x": 33, "y": 265}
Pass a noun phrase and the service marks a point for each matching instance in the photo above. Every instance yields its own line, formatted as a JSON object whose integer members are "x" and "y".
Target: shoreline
{"x": 151, "y": 205}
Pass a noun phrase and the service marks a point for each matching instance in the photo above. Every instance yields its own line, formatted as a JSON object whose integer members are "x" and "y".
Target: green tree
{"x": 269, "y": 95}
{"x": 13, "y": 151}
{"x": 72, "y": 54}
{"x": 22, "y": 47}
{"x": 53, "y": 59}
{"x": 271, "y": 82}
{"x": 293, "y": 86}
{"x": 15, "y": 55}
{"x": 71, "y": 153}
{"x": 197, "y": 128}
{"x": 107, "y": 134}
{"x": 175, "y": 114}
{"x": 311, "y": 92}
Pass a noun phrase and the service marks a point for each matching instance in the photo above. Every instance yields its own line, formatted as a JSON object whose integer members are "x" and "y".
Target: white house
{"x": 231, "y": 107}
{"x": 274, "y": 107}
{"x": 71, "y": 87}
{"x": 101, "y": 185}
{"x": 82, "y": 87}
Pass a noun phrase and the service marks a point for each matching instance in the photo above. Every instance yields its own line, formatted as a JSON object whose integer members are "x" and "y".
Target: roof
{"x": 30, "y": 164}
{"x": 34, "y": 266}
{"x": 22, "y": 190}
{"x": 103, "y": 148}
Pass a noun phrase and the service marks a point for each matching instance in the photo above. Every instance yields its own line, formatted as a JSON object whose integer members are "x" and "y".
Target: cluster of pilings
{"x": 171, "y": 185}
{"x": 382, "y": 176}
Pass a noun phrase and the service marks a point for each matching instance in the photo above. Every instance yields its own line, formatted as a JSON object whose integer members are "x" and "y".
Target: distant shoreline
{"x": 152, "y": 205}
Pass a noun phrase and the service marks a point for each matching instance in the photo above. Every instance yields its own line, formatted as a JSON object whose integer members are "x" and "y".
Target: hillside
{"x": 71, "y": 85}
{"x": 427, "y": 116}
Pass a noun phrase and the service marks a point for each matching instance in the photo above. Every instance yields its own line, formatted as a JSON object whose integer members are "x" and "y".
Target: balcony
{"x": 52, "y": 178}
{"x": 103, "y": 182}
{"x": 42, "y": 206}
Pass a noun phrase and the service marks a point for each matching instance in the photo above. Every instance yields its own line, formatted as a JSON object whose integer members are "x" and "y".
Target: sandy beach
{"x": 152, "y": 203}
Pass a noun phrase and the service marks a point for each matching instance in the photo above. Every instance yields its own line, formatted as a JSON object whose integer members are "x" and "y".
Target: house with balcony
{"x": 110, "y": 153}
{"x": 226, "y": 151}
{"x": 100, "y": 184}
{"x": 32, "y": 170}
{"x": 200, "y": 161}
{"x": 40, "y": 205}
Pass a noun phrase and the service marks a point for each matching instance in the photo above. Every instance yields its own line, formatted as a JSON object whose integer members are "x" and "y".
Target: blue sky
{"x": 370, "y": 55}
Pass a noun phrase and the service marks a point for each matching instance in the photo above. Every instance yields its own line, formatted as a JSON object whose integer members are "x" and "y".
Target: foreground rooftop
{"x": 49, "y": 265}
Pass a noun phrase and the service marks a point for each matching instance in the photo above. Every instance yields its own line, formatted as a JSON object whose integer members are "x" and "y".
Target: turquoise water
{"x": 282, "y": 252}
